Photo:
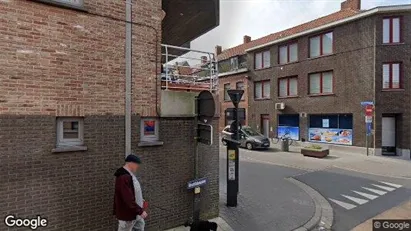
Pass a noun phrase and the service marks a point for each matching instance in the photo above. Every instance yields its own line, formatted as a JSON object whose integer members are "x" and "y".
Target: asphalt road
{"x": 356, "y": 197}
{"x": 267, "y": 201}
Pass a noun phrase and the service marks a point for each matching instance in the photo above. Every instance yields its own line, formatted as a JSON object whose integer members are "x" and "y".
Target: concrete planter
{"x": 317, "y": 153}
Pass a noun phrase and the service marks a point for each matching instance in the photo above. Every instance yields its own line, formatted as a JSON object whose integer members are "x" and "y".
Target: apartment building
{"x": 309, "y": 81}
{"x": 232, "y": 68}
{"x": 80, "y": 86}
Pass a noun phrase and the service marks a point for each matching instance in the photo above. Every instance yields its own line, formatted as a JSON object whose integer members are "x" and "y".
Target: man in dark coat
{"x": 128, "y": 197}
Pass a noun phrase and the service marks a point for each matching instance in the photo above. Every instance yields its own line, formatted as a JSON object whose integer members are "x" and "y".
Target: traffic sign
{"x": 196, "y": 183}
{"x": 369, "y": 109}
{"x": 368, "y": 119}
{"x": 367, "y": 103}
{"x": 205, "y": 107}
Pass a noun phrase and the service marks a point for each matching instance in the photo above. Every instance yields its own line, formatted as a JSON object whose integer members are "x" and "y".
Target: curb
{"x": 222, "y": 225}
{"x": 323, "y": 216}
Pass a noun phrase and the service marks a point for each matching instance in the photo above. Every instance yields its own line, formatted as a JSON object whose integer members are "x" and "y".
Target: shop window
{"x": 289, "y": 125}
{"x": 149, "y": 129}
{"x": 333, "y": 129}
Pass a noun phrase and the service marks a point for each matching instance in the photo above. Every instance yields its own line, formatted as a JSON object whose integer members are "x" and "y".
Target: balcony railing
{"x": 185, "y": 69}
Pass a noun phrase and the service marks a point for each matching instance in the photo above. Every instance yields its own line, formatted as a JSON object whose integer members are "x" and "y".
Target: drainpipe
{"x": 128, "y": 77}
{"x": 374, "y": 87}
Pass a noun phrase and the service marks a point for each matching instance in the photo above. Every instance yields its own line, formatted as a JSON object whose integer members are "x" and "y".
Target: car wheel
{"x": 249, "y": 146}
{"x": 224, "y": 142}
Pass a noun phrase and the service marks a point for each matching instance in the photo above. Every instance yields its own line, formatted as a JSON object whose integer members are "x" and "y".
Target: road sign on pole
{"x": 369, "y": 112}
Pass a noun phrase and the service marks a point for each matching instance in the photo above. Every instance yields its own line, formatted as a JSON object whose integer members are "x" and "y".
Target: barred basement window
{"x": 70, "y": 131}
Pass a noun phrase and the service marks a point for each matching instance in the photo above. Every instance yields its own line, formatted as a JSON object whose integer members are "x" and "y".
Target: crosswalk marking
{"x": 379, "y": 192}
{"x": 366, "y": 195}
{"x": 384, "y": 187}
{"x": 355, "y": 199}
{"x": 391, "y": 184}
{"x": 347, "y": 206}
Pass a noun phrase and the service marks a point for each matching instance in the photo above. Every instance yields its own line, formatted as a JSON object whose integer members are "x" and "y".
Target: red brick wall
{"x": 232, "y": 80}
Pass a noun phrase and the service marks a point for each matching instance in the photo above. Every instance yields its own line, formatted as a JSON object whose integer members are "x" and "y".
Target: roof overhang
{"x": 186, "y": 20}
{"x": 384, "y": 9}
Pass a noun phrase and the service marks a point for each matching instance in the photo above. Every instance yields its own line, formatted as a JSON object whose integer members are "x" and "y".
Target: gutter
{"x": 128, "y": 81}
{"x": 336, "y": 23}
{"x": 239, "y": 71}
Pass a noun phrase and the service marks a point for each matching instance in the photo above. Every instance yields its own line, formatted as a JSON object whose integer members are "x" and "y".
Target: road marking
{"x": 391, "y": 184}
{"x": 366, "y": 195}
{"x": 384, "y": 187}
{"x": 355, "y": 199}
{"x": 347, "y": 206}
{"x": 379, "y": 192}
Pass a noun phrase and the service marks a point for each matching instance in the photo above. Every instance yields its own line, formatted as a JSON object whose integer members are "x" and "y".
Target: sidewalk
{"x": 222, "y": 226}
{"x": 402, "y": 211}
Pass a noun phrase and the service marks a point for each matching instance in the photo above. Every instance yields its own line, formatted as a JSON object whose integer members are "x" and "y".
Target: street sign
{"x": 205, "y": 107}
{"x": 367, "y": 103}
{"x": 368, "y": 119}
{"x": 369, "y": 109}
{"x": 369, "y": 129}
{"x": 235, "y": 96}
{"x": 196, "y": 183}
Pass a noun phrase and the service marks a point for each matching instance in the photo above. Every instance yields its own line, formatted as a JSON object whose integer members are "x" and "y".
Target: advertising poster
{"x": 149, "y": 127}
{"x": 331, "y": 135}
{"x": 292, "y": 132}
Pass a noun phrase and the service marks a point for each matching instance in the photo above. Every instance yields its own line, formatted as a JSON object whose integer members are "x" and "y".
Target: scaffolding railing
{"x": 188, "y": 69}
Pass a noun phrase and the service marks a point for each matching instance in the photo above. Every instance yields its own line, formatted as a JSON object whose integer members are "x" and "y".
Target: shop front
{"x": 289, "y": 126}
{"x": 331, "y": 128}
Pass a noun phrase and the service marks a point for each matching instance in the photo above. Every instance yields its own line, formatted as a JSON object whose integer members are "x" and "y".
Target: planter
{"x": 317, "y": 153}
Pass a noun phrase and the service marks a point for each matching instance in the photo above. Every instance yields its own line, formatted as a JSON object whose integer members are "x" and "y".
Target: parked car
{"x": 249, "y": 138}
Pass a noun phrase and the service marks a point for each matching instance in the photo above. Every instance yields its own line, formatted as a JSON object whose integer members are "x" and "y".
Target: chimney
{"x": 204, "y": 59}
{"x": 351, "y": 4}
{"x": 218, "y": 50}
{"x": 246, "y": 39}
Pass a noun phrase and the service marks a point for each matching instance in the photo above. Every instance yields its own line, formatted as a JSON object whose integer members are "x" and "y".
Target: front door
{"x": 388, "y": 136}
{"x": 265, "y": 125}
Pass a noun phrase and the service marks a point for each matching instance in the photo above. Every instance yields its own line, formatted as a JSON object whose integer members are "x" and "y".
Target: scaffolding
{"x": 185, "y": 69}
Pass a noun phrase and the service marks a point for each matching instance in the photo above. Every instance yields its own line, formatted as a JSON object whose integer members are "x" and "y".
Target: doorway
{"x": 265, "y": 125}
{"x": 389, "y": 134}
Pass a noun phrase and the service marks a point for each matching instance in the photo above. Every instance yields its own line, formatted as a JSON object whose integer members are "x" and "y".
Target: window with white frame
{"x": 321, "y": 45}
{"x": 321, "y": 83}
{"x": 391, "y": 76}
{"x": 288, "y": 86}
{"x": 70, "y": 131}
{"x": 149, "y": 129}
{"x": 240, "y": 86}
{"x": 226, "y": 88}
{"x": 262, "y": 89}
{"x": 234, "y": 63}
{"x": 391, "y": 30}
{"x": 288, "y": 53}
{"x": 262, "y": 60}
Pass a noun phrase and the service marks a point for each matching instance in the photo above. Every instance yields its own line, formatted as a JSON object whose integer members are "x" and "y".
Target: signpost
{"x": 205, "y": 110}
{"x": 369, "y": 112}
{"x": 232, "y": 151}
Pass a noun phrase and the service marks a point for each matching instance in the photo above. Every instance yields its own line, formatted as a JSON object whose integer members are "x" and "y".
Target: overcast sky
{"x": 258, "y": 18}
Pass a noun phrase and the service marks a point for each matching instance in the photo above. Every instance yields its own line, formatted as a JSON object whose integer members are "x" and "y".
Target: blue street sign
{"x": 365, "y": 103}
{"x": 196, "y": 183}
{"x": 369, "y": 128}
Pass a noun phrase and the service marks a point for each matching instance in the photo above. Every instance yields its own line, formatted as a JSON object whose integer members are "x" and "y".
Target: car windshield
{"x": 250, "y": 132}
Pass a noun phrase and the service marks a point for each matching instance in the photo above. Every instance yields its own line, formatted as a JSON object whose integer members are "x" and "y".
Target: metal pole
{"x": 196, "y": 209}
{"x": 128, "y": 76}
{"x": 166, "y": 63}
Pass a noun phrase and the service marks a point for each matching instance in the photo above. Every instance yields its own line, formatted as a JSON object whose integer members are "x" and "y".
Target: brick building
{"x": 63, "y": 107}
{"x": 232, "y": 67}
{"x": 309, "y": 80}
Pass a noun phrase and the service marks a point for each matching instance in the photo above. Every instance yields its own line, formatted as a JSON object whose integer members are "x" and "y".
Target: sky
{"x": 258, "y": 18}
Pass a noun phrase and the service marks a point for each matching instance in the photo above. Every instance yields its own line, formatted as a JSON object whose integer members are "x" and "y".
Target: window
{"x": 288, "y": 53}
{"x": 149, "y": 129}
{"x": 343, "y": 121}
{"x": 391, "y": 75}
{"x": 262, "y": 60}
{"x": 240, "y": 86}
{"x": 226, "y": 88}
{"x": 77, "y": 4}
{"x": 391, "y": 30}
{"x": 70, "y": 131}
{"x": 287, "y": 87}
{"x": 262, "y": 89}
{"x": 321, "y": 83}
{"x": 321, "y": 45}
{"x": 234, "y": 63}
